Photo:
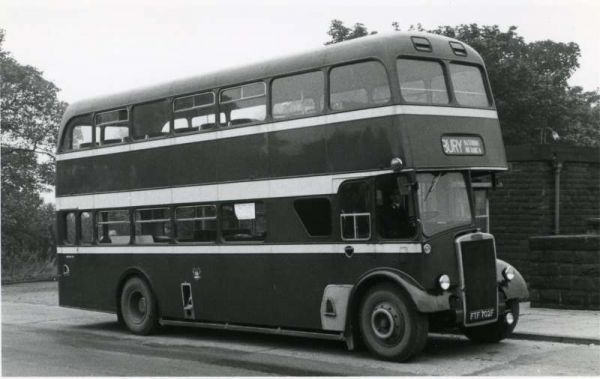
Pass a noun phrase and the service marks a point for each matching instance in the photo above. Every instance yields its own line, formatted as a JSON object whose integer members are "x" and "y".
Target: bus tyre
{"x": 390, "y": 325}
{"x": 138, "y": 307}
{"x": 496, "y": 332}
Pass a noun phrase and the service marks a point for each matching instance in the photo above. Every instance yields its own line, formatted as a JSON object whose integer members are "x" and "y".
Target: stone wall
{"x": 564, "y": 271}
{"x": 523, "y": 204}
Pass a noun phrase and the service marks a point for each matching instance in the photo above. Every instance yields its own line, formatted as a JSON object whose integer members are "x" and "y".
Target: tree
{"x": 530, "y": 84}
{"x": 30, "y": 113}
{"x": 339, "y": 32}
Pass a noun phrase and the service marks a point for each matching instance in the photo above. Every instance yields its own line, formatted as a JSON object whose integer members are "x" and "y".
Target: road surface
{"x": 39, "y": 338}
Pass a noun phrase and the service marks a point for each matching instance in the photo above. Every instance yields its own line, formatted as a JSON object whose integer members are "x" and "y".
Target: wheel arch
{"x": 423, "y": 301}
{"x": 126, "y": 275}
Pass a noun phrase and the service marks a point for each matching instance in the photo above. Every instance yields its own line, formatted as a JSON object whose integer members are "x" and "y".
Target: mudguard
{"x": 425, "y": 302}
{"x": 516, "y": 288}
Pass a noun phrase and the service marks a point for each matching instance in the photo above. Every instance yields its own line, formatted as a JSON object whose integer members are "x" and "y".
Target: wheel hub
{"x": 385, "y": 321}
{"x": 142, "y": 305}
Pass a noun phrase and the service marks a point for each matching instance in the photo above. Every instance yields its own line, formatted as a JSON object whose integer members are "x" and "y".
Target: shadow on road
{"x": 444, "y": 346}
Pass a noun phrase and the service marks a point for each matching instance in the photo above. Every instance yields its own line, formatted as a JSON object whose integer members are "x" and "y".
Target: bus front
{"x": 448, "y": 154}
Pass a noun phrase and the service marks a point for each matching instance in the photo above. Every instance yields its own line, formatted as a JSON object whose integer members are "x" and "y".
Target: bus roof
{"x": 385, "y": 47}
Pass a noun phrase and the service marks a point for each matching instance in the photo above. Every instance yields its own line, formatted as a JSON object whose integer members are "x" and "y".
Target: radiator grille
{"x": 479, "y": 281}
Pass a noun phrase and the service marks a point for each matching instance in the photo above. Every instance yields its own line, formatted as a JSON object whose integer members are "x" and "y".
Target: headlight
{"x": 444, "y": 282}
{"x": 508, "y": 273}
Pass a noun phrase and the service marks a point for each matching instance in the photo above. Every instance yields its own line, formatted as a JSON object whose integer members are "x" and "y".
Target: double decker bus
{"x": 327, "y": 194}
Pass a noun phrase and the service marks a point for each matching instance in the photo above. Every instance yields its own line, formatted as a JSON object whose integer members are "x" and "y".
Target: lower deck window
{"x": 196, "y": 223}
{"x": 87, "y": 228}
{"x": 152, "y": 225}
{"x": 315, "y": 215}
{"x": 355, "y": 218}
{"x": 70, "y": 228}
{"x": 244, "y": 222}
{"x": 113, "y": 227}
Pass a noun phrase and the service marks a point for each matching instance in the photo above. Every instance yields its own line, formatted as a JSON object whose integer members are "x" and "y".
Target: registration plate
{"x": 481, "y": 315}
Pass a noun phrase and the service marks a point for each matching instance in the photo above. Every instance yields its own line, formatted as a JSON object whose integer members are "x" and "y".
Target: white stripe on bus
{"x": 258, "y": 189}
{"x": 286, "y": 125}
{"x": 334, "y": 248}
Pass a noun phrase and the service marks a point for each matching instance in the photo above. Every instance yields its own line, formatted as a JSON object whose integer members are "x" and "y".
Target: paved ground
{"x": 559, "y": 325}
{"x": 39, "y": 338}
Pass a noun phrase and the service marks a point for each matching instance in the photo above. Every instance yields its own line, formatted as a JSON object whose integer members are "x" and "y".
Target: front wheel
{"x": 390, "y": 324}
{"x": 499, "y": 330}
{"x": 138, "y": 307}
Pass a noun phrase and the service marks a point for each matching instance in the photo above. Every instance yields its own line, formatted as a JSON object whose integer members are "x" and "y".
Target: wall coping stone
{"x": 564, "y": 153}
{"x": 565, "y": 242}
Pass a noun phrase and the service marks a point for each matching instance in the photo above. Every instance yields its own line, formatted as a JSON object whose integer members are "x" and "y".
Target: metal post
{"x": 557, "y": 167}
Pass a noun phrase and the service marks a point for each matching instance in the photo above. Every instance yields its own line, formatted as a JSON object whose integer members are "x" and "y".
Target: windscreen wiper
{"x": 433, "y": 184}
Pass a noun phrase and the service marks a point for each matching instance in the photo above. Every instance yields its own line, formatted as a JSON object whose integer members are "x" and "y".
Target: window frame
{"x": 445, "y": 72}
{"x": 331, "y": 223}
{"x": 194, "y": 205}
{"x": 265, "y": 82}
{"x": 330, "y": 68}
{"x": 180, "y": 112}
{"x": 169, "y": 101}
{"x": 369, "y": 203}
{"x": 221, "y": 219}
{"x": 97, "y": 213}
{"x": 98, "y": 140}
{"x": 324, "y": 72}
{"x": 484, "y": 80}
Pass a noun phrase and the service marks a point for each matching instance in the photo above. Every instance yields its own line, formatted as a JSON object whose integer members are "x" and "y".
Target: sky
{"x": 90, "y": 48}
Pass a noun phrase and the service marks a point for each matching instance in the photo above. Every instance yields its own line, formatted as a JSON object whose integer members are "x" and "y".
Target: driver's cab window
{"x": 394, "y": 208}
{"x": 355, "y": 215}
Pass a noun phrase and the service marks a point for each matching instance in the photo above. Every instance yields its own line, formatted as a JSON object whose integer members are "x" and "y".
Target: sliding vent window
{"x": 355, "y": 217}
{"x": 469, "y": 89}
{"x": 243, "y": 222}
{"x": 196, "y": 223}
{"x": 243, "y": 105}
{"x": 112, "y": 127}
{"x": 358, "y": 85}
{"x": 151, "y": 120}
{"x": 194, "y": 112}
{"x": 113, "y": 227}
{"x": 298, "y": 95}
{"x": 422, "y": 81}
{"x": 152, "y": 225}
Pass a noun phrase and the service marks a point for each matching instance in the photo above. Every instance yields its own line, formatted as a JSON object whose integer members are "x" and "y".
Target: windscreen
{"x": 443, "y": 201}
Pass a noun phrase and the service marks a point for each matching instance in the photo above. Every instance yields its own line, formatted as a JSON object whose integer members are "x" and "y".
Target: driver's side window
{"x": 355, "y": 213}
{"x": 393, "y": 209}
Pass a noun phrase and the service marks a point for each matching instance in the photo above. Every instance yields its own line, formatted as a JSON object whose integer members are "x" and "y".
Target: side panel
{"x": 259, "y": 289}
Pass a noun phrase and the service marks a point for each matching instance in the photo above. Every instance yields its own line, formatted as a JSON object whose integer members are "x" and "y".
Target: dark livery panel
{"x": 256, "y": 289}
{"x": 361, "y": 145}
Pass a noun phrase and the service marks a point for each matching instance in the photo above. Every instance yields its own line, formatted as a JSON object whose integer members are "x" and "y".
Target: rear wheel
{"x": 138, "y": 307}
{"x": 499, "y": 330}
{"x": 391, "y": 327}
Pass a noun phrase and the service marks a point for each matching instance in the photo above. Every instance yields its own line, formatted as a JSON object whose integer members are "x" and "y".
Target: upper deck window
{"x": 151, "y": 119}
{"x": 78, "y": 133}
{"x": 194, "y": 112}
{"x": 243, "y": 105}
{"x": 468, "y": 85}
{"x": 298, "y": 95}
{"x": 112, "y": 126}
{"x": 358, "y": 85}
{"x": 81, "y": 136}
{"x": 422, "y": 81}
